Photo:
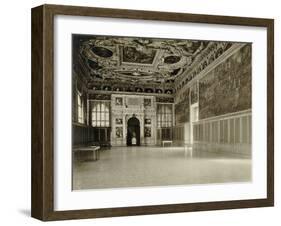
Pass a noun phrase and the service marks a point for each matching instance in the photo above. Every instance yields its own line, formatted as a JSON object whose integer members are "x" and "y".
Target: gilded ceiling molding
{"x": 138, "y": 60}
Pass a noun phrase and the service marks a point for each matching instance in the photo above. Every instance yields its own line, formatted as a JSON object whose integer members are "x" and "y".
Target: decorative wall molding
{"x": 126, "y": 110}
{"x": 225, "y": 116}
{"x": 99, "y": 96}
{"x": 165, "y": 99}
{"x": 164, "y": 95}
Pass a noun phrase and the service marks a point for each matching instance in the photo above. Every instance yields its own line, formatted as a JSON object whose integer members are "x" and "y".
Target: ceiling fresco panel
{"x": 136, "y": 61}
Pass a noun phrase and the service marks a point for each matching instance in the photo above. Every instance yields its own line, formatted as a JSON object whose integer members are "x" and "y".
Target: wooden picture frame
{"x": 42, "y": 203}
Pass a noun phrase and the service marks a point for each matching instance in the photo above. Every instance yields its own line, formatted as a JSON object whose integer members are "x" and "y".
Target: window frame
{"x": 98, "y": 112}
{"x": 164, "y": 116}
{"x": 80, "y": 108}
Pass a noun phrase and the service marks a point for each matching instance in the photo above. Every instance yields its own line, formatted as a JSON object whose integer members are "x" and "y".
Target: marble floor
{"x": 157, "y": 166}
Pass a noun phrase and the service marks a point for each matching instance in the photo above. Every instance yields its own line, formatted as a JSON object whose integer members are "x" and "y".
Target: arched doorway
{"x": 133, "y": 132}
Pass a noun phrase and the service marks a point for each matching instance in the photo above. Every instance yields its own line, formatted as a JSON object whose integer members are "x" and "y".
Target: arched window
{"x": 164, "y": 121}
{"x": 80, "y": 107}
{"x": 100, "y": 114}
{"x": 164, "y": 115}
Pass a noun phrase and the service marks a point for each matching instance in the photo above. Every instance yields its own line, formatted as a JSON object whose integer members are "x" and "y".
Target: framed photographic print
{"x": 118, "y": 95}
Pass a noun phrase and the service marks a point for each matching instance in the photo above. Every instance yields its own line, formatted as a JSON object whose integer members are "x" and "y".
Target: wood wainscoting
{"x": 230, "y": 133}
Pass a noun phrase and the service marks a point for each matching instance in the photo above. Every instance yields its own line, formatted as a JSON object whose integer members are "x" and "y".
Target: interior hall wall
{"x": 184, "y": 98}
{"x": 82, "y": 133}
{"x": 100, "y": 135}
{"x": 78, "y": 86}
{"x": 227, "y": 88}
{"x": 123, "y": 107}
{"x": 182, "y": 109}
{"x": 225, "y": 106}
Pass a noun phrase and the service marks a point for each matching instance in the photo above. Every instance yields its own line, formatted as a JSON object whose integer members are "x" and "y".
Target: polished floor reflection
{"x": 157, "y": 166}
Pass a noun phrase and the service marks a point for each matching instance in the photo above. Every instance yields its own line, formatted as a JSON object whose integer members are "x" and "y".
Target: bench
{"x": 94, "y": 149}
{"x": 166, "y": 142}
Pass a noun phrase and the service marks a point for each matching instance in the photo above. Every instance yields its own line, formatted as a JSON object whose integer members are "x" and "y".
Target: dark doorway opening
{"x": 133, "y": 132}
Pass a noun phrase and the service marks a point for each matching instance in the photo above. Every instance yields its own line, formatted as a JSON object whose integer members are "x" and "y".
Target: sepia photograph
{"x": 160, "y": 112}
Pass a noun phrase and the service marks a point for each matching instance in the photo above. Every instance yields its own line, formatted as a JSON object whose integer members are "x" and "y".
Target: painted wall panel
{"x": 227, "y": 88}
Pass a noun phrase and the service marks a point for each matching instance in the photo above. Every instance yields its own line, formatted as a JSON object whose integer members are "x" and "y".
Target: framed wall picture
{"x": 147, "y": 131}
{"x": 96, "y": 73}
{"x": 147, "y": 121}
{"x": 118, "y": 121}
{"x": 119, "y": 101}
{"x": 147, "y": 102}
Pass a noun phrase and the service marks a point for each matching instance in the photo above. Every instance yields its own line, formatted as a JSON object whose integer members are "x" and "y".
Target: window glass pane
{"x": 159, "y": 117}
{"x": 94, "y": 116}
{"x": 107, "y": 107}
{"x": 163, "y": 118}
{"x": 102, "y": 107}
{"x": 168, "y": 118}
{"x": 102, "y": 116}
{"x": 80, "y": 109}
{"x": 169, "y": 110}
{"x": 164, "y": 115}
{"x": 161, "y": 110}
{"x": 78, "y": 100}
{"x": 94, "y": 107}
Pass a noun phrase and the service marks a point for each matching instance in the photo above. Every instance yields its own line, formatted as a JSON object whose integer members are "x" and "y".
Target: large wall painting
{"x": 182, "y": 108}
{"x": 227, "y": 88}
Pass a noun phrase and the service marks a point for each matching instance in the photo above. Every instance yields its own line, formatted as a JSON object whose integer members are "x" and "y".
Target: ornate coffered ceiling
{"x": 138, "y": 63}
